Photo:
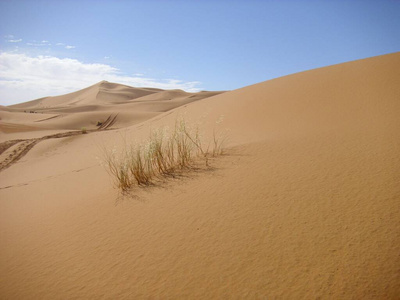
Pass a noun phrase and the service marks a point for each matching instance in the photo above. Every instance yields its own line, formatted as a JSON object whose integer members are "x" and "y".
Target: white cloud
{"x": 60, "y": 44}
{"x": 24, "y": 78}
{"x": 69, "y": 47}
{"x": 14, "y": 41}
{"x": 39, "y": 44}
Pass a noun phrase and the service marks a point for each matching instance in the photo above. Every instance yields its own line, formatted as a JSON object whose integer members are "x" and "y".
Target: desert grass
{"x": 163, "y": 154}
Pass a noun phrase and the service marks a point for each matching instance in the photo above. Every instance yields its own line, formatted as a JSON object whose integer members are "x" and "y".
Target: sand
{"x": 305, "y": 203}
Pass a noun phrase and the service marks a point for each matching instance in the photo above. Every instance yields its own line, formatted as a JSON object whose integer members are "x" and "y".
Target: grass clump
{"x": 163, "y": 154}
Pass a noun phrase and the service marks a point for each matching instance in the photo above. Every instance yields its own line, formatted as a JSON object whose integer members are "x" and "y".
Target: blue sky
{"x": 55, "y": 47}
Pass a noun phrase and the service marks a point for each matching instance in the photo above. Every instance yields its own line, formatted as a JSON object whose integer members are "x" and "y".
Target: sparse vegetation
{"x": 163, "y": 154}
{"x": 83, "y": 130}
{"x": 219, "y": 138}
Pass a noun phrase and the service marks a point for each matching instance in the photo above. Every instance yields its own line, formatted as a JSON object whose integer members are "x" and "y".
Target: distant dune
{"x": 305, "y": 204}
{"x": 93, "y": 105}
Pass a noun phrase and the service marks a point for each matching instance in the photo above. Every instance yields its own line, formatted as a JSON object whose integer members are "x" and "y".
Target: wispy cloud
{"x": 14, "y": 41}
{"x": 24, "y": 77}
{"x": 11, "y": 39}
{"x": 69, "y": 47}
{"x": 39, "y": 44}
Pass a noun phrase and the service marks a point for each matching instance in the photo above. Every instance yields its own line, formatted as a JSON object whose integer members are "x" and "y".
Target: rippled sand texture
{"x": 305, "y": 203}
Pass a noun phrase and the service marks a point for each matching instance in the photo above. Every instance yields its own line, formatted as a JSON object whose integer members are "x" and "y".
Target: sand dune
{"x": 93, "y": 105}
{"x": 304, "y": 205}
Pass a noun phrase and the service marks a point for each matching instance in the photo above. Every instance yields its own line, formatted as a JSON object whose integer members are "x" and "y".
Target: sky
{"x": 49, "y": 48}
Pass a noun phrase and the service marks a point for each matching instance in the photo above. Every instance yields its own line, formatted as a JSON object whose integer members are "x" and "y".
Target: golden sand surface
{"x": 304, "y": 204}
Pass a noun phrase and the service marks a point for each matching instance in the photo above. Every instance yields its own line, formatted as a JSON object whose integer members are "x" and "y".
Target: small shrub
{"x": 83, "y": 129}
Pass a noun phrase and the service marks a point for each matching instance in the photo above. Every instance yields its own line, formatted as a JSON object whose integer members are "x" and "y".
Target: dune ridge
{"x": 305, "y": 204}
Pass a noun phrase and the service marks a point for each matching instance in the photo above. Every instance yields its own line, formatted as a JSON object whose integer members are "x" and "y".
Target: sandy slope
{"x": 305, "y": 204}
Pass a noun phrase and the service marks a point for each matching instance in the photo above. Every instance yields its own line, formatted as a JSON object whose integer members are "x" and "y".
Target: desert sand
{"x": 304, "y": 204}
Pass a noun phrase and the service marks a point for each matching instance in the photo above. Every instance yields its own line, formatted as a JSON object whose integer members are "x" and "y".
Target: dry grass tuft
{"x": 163, "y": 154}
